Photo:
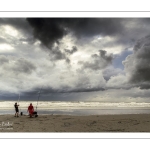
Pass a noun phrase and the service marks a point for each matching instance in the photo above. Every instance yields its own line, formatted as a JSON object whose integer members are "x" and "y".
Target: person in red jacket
{"x": 30, "y": 110}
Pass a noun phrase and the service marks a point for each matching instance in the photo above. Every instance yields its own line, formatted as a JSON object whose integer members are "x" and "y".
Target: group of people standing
{"x": 30, "y": 110}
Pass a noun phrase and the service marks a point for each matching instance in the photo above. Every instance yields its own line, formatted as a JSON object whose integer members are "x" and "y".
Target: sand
{"x": 67, "y": 123}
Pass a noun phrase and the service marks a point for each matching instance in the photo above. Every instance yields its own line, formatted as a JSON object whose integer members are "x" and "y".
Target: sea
{"x": 76, "y": 108}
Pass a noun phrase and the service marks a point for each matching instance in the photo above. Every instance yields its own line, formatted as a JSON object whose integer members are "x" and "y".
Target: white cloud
{"x": 108, "y": 43}
{"x": 6, "y": 48}
{"x": 118, "y": 81}
{"x": 10, "y": 30}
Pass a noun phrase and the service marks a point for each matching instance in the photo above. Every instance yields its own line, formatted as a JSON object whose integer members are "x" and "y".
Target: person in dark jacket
{"x": 17, "y": 110}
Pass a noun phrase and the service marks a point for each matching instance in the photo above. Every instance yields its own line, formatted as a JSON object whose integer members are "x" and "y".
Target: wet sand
{"x": 67, "y": 123}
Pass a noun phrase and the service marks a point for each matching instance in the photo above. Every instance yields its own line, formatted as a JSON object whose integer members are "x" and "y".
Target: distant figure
{"x": 17, "y": 110}
{"x": 30, "y": 110}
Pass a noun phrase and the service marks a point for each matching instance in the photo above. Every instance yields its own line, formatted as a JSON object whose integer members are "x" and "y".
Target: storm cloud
{"x": 73, "y": 50}
{"x": 51, "y": 30}
{"x": 19, "y": 23}
{"x": 61, "y": 55}
{"x": 16, "y": 66}
{"x": 99, "y": 61}
{"x": 57, "y": 54}
{"x": 137, "y": 65}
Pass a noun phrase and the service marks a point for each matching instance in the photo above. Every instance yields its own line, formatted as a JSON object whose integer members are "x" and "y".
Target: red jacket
{"x": 30, "y": 109}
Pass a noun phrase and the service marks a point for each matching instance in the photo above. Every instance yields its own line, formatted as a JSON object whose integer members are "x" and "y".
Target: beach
{"x": 69, "y": 123}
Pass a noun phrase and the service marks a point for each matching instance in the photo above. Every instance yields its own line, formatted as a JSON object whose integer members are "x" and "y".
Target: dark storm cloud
{"x": 18, "y": 23}
{"x": 88, "y": 89}
{"x": 48, "y": 31}
{"x": 66, "y": 89}
{"x": 144, "y": 85}
{"x": 56, "y": 54}
{"x": 21, "y": 25}
{"x": 88, "y": 27}
{"x": 51, "y": 30}
{"x": 124, "y": 31}
{"x": 73, "y": 50}
{"x": 99, "y": 61}
{"x": 142, "y": 54}
{"x": 137, "y": 65}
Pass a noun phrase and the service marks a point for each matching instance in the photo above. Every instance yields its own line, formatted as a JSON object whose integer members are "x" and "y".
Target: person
{"x": 30, "y": 110}
{"x": 17, "y": 110}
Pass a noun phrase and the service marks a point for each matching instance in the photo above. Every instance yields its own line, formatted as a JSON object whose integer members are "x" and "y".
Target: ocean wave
{"x": 71, "y": 105}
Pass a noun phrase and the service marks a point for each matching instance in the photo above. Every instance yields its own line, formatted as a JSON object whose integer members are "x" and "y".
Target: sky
{"x": 75, "y": 59}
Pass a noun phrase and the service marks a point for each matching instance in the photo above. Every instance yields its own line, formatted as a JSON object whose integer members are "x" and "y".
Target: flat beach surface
{"x": 67, "y": 123}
